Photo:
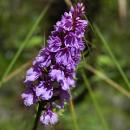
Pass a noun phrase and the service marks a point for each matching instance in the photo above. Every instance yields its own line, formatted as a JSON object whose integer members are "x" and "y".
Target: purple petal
{"x": 57, "y": 74}
{"x": 32, "y": 75}
{"x": 49, "y": 118}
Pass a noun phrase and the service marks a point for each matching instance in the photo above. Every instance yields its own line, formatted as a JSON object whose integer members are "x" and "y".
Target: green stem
{"x": 35, "y": 126}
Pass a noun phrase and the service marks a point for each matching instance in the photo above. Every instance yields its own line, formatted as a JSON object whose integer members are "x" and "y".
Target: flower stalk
{"x": 38, "y": 113}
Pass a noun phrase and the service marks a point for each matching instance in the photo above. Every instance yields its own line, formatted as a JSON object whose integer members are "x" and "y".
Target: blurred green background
{"x": 112, "y": 108}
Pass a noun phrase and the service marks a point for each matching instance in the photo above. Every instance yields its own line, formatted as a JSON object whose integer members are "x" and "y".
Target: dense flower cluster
{"x": 53, "y": 71}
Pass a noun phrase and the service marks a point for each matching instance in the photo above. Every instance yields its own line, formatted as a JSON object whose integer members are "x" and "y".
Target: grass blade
{"x": 98, "y": 110}
{"x": 96, "y": 29}
{"x": 74, "y": 117}
{"x": 23, "y": 44}
{"x": 73, "y": 113}
{"x": 98, "y": 33}
{"x": 108, "y": 80}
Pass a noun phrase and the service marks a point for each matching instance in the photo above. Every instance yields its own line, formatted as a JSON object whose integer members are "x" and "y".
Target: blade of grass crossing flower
{"x": 24, "y": 44}
{"x": 22, "y": 67}
{"x": 100, "y": 74}
{"x": 112, "y": 56}
{"x": 98, "y": 110}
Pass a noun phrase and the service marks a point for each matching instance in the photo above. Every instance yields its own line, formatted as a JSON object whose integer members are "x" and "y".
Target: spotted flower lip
{"x": 43, "y": 92}
{"x": 32, "y": 75}
{"x": 57, "y": 75}
{"x": 54, "y": 44}
{"x": 49, "y": 118}
{"x": 43, "y": 59}
{"x": 28, "y": 97}
{"x": 53, "y": 71}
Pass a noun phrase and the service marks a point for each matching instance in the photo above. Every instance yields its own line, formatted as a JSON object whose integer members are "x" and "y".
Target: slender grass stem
{"x": 108, "y": 80}
{"x": 74, "y": 117}
{"x": 24, "y": 66}
{"x": 98, "y": 33}
{"x": 97, "y": 107}
{"x": 17, "y": 71}
{"x": 112, "y": 56}
{"x": 104, "y": 124}
{"x": 9, "y": 68}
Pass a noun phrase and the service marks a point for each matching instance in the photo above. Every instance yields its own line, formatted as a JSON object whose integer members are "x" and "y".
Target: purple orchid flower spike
{"x": 52, "y": 74}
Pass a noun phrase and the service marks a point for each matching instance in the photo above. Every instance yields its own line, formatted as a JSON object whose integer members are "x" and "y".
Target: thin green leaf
{"x": 74, "y": 117}
{"x": 99, "y": 34}
{"x": 98, "y": 109}
{"x": 34, "y": 41}
{"x": 24, "y": 44}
